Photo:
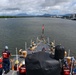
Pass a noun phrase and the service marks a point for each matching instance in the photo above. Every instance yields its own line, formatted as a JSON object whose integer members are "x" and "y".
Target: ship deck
{"x": 11, "y": 73}
{"x": 37, "y": 49}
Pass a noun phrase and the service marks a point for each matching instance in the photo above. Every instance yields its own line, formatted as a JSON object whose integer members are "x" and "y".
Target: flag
{"x": 42, "y": 27}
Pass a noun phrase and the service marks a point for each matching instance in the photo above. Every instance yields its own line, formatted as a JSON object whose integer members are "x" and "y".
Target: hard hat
{"x": 6, "y": 47}
{"x": 16, "y": 62}
{"x": 20, "y": 50}
{"x": 23, "y": 63}
{"x": 65, "y": 53}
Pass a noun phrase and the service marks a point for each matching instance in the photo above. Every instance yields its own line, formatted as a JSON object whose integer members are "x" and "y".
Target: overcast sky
{"x": 37, "y": 6}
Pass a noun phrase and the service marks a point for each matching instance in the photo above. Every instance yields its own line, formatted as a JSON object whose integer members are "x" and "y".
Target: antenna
{"x": 54, "y": 42}
{"x": 42, "y": 36}
{"x": 69, "y": 52}
{"x": 25, "y": 45}
{"x": 17, "y": 58}
{"x": 43, "y": 29}
{"x": 37, "y": 41}
{"x": 31, "y": 41}
{"x": 16, "y": 54}
{"x": 48, "y": 40}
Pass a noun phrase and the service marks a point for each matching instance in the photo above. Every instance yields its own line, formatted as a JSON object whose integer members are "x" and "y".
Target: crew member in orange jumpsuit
{"x": 6, "y": 60}
{"x": 22, "y": 69}
{"x": 1, "y": 66}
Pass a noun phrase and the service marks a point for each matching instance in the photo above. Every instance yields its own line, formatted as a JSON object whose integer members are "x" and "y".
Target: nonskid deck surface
{"x": 39, "y": 48}
{"x": 11, "y": 73}
{"x": 41, "y": 45}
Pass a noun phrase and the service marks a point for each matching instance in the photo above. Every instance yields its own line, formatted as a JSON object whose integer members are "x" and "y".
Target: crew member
{"x": 1, "y": 66}
{"x": 16, "y": 65}
{"x": 22, "y": 69}
{"x": 43, "y": 49}
{"x": 6, "y": 61}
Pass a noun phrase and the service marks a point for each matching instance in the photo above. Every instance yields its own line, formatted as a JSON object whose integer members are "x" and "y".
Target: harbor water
{"x": 14, "y": 32}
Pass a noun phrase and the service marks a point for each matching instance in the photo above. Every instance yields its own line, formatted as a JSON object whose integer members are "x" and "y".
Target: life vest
{"x": 5, "y": 55}
{"x": 67, "y": 72}
{"x": 15, "y": 67}
{"x": 1, "y": 60}
{"x": 22, "y": 70}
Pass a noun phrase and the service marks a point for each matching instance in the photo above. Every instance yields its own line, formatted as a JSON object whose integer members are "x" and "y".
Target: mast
{"x": 17, "y": 58}
{"x": 48, "y": 40}
{"x": 42, "y": 36}
{"x": 37, "y": 41}
{"x": 69, "y": 52}
{"x": 31, "y": 41}
{"x": 43, "y": 29}
{"x": 25, "y": 46}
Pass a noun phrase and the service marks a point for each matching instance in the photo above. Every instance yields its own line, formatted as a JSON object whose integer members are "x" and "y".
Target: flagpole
{"x": 42, "y": 36}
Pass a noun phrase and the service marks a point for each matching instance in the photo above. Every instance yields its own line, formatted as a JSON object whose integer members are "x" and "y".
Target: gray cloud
{"x": 10, "y": 9}
{"x": 37, "y": 6}
{"x": 53, "y": 2}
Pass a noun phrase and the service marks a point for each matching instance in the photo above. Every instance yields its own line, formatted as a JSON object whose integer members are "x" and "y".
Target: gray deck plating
{"x": 39, "y": 48}
{"x": 11, "y": 73}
